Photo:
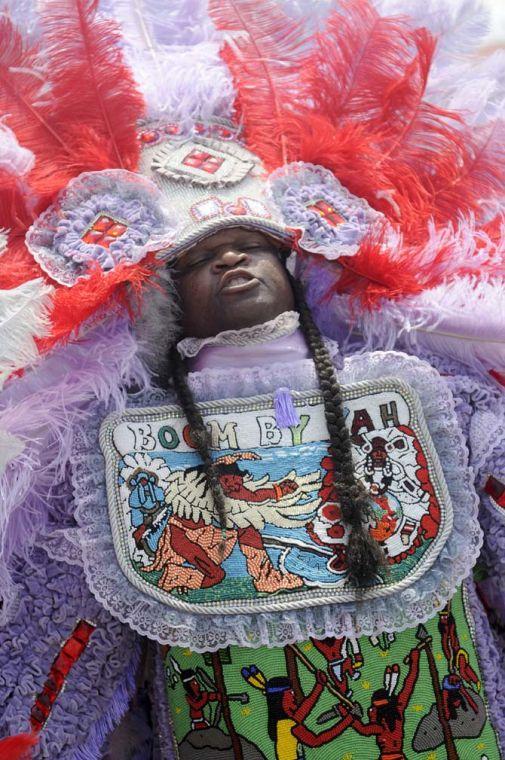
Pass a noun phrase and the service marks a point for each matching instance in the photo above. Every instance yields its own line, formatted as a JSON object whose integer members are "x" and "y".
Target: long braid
{"x": 200, "y": 437}
{"x": 363, "y": 554}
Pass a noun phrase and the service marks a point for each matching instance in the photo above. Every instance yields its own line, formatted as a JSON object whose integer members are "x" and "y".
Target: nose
{"x": 228, "y": 258}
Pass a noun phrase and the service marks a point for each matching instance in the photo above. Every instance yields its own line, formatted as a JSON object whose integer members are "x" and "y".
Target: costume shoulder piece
{"x": 153, "y": 549}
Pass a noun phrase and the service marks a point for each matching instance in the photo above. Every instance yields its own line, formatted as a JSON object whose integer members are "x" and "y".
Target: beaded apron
{"x": 285, "y": 541}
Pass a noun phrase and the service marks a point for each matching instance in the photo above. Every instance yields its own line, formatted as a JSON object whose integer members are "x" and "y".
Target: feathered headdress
{"x": 385, "y": 155}
{"x": 394, "y": 192}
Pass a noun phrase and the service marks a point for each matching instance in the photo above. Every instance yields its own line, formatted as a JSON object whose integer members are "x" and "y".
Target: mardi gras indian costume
{"x": 252, "y": 416}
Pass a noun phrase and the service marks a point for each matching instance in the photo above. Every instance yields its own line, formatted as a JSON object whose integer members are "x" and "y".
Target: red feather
{"x": 21, "y": 97}
{"x": 17, "y": 265}
{"x": 477, "y": 180}
{"x": 91, "y": 297}
{"x": 349, "y": 152}
{"x": 374, "y": 71}
{"x": 377, "y": 272}
{"x": 94, "y": 100}
{"x": 356, "y": 60}
{"x": 84, "y": 118}
{"x": 17, "y": 747}
{"x": 264, "y": 50}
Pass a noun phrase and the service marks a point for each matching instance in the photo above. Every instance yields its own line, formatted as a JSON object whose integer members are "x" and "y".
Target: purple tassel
{"x": 285, "y": 412}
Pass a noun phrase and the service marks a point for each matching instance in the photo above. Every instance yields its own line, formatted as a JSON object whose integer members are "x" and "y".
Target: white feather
{"x": 173, "y": 52}
{"x": 13, "y": 157}
{"x": 462, "y": 320}
{"x": 23, "y": 317}
{"x": 188, "y": 84}
{"x": 4, "y": 235}
{"x": 152, "y": 24}
{"x": 459, "y": 25}
{"x": 10, "y": 448}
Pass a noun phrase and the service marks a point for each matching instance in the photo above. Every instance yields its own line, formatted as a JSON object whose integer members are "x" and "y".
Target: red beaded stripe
{"x": 496, "y": 489}
{"x": 69, "y": 653}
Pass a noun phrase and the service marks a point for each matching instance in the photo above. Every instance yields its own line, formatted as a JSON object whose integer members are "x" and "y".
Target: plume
{"x": 23, "y": 318}
{"x": 264, "y": 50}
{"x": 16, "y": 214}
{"x": 355, "y": 61}
{"x": 376, "y": 71}
{"x": 95, "y": 296}
{"x": 385, "y": 267}
{"x": 475, "y": 87}
{"x": 460, "y": 26}
{"x": 42, "y": 410}
{"x": 174, "y": 59}
{"x": 151, "y": 25}
{"x": 83, "y": 117}
{"x": 23, "y": 96}
{"x": 462, "y": 320}
{"x": 24, "y": 14}
{"x": 185, "y": 85}
{"x": 93, "y": 96}
{"x": 467, "y": 322}
{"x": 17, "y": 747}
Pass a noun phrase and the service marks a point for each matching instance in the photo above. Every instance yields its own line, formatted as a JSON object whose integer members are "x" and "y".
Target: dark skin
{"x": 231, "y": 280}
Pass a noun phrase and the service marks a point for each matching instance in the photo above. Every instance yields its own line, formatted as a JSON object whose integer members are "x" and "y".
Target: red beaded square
{"x": 200, "y": 159}
{"x": 104, "y": 231}
{"x": 327, "y": 212}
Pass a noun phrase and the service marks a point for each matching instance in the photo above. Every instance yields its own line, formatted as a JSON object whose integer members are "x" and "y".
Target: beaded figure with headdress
{"x": 252, "y": 379}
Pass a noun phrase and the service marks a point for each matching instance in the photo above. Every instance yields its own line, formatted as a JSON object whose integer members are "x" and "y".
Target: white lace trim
{"x": 416, "y": 604}
{"x": 215, "y": 383}
{"x": 62, "y": 545}
{"x": 284, "y": 324}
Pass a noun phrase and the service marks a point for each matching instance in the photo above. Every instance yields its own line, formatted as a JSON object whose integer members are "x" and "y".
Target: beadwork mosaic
{"x": 413, "y": 694}
{"x": 285, "y": 540}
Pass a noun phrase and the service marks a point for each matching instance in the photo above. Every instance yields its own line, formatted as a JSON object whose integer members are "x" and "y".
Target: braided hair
{"x": 201, "y": 439}
{"x": 363, "y": 553}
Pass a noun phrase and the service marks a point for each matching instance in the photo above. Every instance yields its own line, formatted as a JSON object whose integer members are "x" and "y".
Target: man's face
{"x": 230, "y": 280}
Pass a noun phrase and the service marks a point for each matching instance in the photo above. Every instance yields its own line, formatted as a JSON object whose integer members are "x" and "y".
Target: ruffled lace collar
{"x": 285, "y": 324}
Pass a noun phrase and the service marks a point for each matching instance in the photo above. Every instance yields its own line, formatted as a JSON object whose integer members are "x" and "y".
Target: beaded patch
{"x": 203, "y": 161}
{"x": 417, "y": 693}
{"x": 285, "y": 541}
{"x": 213, "y": 207}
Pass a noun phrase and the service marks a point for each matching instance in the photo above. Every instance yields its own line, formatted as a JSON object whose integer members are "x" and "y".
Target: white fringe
{"x": 24, "y": 316}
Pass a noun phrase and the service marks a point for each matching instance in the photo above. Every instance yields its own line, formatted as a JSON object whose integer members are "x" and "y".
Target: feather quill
{"x": 264, "y": 50}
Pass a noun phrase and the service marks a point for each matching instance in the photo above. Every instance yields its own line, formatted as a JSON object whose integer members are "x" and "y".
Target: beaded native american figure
{"x": 252, "y": 482}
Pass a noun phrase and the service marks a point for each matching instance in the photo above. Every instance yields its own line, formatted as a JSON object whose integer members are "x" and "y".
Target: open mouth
{"x": 237, "y": 281}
